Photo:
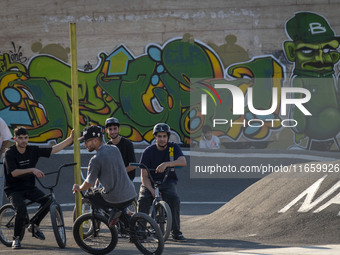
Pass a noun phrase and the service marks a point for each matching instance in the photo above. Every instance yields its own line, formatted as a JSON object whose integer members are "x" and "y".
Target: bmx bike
{"x": 92, "y": 233}
{"x": 160, "y": 211}
{"x": 7, "y": 215}
{"x": 86, "y": 205}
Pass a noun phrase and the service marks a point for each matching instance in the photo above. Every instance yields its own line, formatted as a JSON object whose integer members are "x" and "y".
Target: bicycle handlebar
{"x": 58, "y": 174}
{"x": 166, "y": 172}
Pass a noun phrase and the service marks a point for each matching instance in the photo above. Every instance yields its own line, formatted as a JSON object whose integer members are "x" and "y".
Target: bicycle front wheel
{"x": 58, "y": 225}
{"x": 100, "y": 239}
{"x": 7, "y": 221}
{"x": 146, "y": 234}
{"x": 162, "y": 215}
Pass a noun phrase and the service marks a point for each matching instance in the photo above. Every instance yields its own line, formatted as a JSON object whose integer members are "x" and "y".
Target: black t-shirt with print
{"x": 15, "y": 160}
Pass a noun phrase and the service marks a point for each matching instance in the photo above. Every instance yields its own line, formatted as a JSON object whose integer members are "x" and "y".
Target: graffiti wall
{"x": 142, "y": 90}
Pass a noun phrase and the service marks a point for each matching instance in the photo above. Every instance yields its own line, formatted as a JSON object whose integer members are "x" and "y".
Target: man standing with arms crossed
{"x": 124, "y": 145}
{"x": 159, "y": 156}
{"x": 20, "y": 172}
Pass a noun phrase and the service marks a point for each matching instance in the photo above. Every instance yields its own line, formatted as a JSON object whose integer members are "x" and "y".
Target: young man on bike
{"x": 124, "y": 145}
{"x": 20, "y": 172}
{"x": 159, "y": 156}
{"x": 107, "y": 166}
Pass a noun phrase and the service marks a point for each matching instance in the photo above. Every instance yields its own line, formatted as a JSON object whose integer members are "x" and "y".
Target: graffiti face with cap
{"x": 314, "y": 43}
{"x": 316, "y": 57}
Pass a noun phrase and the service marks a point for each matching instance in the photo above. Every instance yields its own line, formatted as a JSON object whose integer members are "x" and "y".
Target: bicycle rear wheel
{"x": 162, "y": 215}
{"x": 58, "y": 226}
{"x": 7, "y": 221}
{"x": 100, "y": 239}
{"x": 146, "y": 234}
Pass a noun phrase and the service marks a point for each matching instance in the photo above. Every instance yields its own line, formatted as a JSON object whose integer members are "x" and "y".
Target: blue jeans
{"x": 169, "y": 194}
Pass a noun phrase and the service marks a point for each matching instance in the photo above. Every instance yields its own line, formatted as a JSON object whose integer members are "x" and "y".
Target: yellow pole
{"x": 75, "y": 113}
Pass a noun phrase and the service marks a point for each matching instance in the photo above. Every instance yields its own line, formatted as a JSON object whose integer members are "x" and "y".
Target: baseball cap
{"x": 91, "y": 132}
{"x": 111, "y": 121}
{"x": 310, "y": 28}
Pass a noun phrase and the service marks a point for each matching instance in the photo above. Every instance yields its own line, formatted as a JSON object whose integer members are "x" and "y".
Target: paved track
{"x": 200, "y": 197}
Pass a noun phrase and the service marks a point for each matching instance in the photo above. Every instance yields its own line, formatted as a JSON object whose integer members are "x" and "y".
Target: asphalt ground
{"x": 196, "y": 245}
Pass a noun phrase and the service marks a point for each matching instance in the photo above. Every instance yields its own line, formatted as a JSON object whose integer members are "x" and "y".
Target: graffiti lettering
{"x": 6, "y": 64}
{"x": 16, "y": 55}
{"x": 316, "y": 28}
{"x": 88, "y": 67}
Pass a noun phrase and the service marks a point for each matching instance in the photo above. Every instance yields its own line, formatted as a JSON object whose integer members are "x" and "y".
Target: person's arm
{"x": 84, "y": 186}
{"x": 131, "y": 157}
{"x": 146, "y": 181}
{"x": 202, "y": 143}
{"x": 130, "y": 168}
{"x": 217, "y": 141}
{"x": 67, "y": 142}
{"x": 35, "y": 171}
{"x": 3, "y": 147}
{"x": 181, "y": 161}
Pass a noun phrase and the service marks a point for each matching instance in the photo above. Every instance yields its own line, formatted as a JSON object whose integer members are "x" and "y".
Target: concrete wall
{"x": 103, "y": 24}
{"x": 32, "y": 28}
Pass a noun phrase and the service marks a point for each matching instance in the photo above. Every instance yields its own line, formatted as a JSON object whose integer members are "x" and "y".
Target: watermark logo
{"x": 238, "y": 100}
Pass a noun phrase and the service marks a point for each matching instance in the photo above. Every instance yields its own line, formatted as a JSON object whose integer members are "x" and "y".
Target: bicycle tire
{"x": 146, "y": 234}
{"x": 105, "y": 236}
{"x": 58, "y": 225}
{"x": 7, "y": 222}
{"x": 162, "y": 215}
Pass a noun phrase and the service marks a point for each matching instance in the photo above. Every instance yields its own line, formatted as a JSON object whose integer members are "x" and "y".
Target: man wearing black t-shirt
{"x": 124, "y": 145}
{"x": 20, "y": 172}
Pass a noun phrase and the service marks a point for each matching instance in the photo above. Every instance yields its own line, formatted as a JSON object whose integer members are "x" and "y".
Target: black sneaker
{"x": 37, "y": 233}
{"x": 114, "y": 215}
{"x": 16, "y": 243}
{"x": 179, "y": 238}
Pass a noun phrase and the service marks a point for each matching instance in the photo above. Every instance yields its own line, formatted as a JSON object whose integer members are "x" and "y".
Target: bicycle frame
{"x": 8, "y": 222}
{"x": 51, "y": 195}
{"x": 165, "y": 218}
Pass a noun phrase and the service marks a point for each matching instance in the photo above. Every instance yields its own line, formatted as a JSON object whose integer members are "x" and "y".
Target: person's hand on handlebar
{"x": 38, "y": 173}
{"x": 161, "y": 168}
{"x": 76, "y": 188}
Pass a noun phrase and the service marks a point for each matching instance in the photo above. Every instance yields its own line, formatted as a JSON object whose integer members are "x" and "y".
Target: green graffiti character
{"x": 313, "y": 52}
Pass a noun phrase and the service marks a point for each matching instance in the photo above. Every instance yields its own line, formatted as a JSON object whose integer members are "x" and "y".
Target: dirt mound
{"x": 282, "y": 208}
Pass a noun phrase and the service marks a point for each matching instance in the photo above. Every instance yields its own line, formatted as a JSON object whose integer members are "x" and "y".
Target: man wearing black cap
{"x": 124, "y": 145}
{"x": 107, "y": 166}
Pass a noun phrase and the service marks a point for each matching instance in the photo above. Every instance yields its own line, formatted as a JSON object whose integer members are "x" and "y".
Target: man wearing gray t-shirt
{"x": 107, "y": 166}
